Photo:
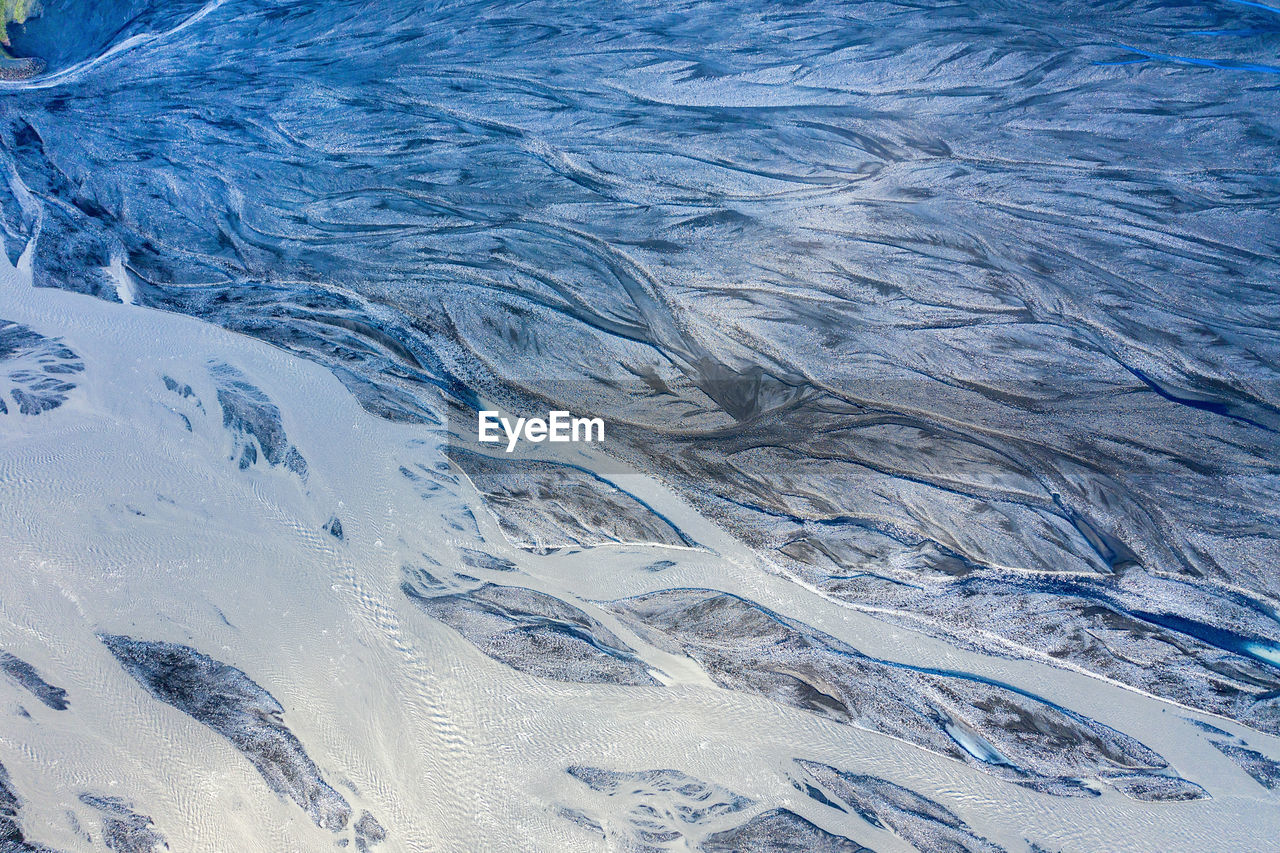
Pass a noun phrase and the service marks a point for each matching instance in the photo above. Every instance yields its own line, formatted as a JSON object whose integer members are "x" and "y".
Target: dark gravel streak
{"x": 233, "y": 705}
{"x": 25, "y": 674}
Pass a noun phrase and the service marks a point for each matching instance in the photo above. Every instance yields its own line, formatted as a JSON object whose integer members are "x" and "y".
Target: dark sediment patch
{"x": 369, "y": 833}
{"x": 535, "y": 633}
{"x": 123, "y": 829}
{"x": 25, "y": 675}
{"x": 489, "y": 562}
{"x": 255, "y": 422}
{"x": 655, "y": 810}
{"x": 688, "y": 799}
{"x": 236, "y": 707}
{"x": 1264, "y": 770}
{"x": 779, "y": 831}
{"x": 1003, "y": 731}
{"x": 39, "y": 369}
{"x": 921, "y": 822}
{"x": 543, "y": 506}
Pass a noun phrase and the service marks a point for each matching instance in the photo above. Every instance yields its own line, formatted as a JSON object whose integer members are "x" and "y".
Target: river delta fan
{"x": 570, "y": 426}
